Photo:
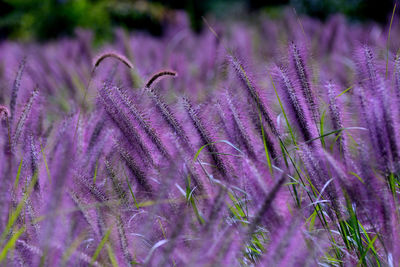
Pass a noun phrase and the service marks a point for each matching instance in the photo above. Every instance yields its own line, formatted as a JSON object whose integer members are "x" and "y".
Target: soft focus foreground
{"x": 271, "y": 145}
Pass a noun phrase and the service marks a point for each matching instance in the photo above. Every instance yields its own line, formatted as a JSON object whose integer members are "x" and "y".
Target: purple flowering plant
{"x": 274, "y": 144}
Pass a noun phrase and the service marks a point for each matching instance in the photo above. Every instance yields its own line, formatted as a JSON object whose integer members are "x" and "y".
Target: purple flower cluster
{"x": 275, "y": 144}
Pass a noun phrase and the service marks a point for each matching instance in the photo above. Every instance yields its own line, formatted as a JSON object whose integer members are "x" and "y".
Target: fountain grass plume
{"x": 15, "y": 89}
{"x": 5, "y": 115}
{"x": 96, "y": 133}
{"x": 241, "y": 128}
{"x": 118, "y": 116}
{"x": 295, "y": 104}
{"x": 34, "y": 155}
{"x": 397, "y": 79}
{"x": 22, "y": 119}
{"x": 4, "y": 112}
{"x": 168, "y": 116}
{"x": 136, "y": 171}
{"x": 302, "y": 76}
{"x": 375, "y": 103}
{"x": 96, "y": 63}
{"x": 92, "y": 188}
{"x": 266, "y": 204}
{"x": 143, "y": 122}
{"x": 123, "y": 240}
{"x": 266, "y": 136}
{"x": 111, "y": 54}
{"x": 389, "y": 122}
{"x": 205, "y": 136}
{"x": 116, "y": 184}
{"x": 157, "y": 76}
{"x": 334, "y": 110}
{"x": 252, "y": 91}
{"x": 366, "y": 68}
{"x": 82, "y": 207}
{"x": 336, "y": 113}
{"x": 318, "y": 176}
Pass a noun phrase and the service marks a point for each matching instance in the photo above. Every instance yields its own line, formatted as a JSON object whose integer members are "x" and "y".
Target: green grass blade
{"x": 367, "y": 236}
{"x": 392, "y": 185}
{"x": 196, "y": 212}
{"x": 190, "y": 199}
{"x": 14, "y": 215}
{"x": 370, "y": 245}
{"x": 101, "y": 245}
{"x": 216, "y": 142}
{"x": 321, "y": 124}
{"x": 95, "y": 171}
{"x": 18, "y": 175}
{"x": 344, "y": 91}
{"x": 265, "y": 145}
{"x": 311, "y": 219}
{"x": 355, "y": 229}
{"x": 344, "y": 234}
{"x": 130, "y": 190}
{"x": 283, "y": 111}
{"x": 111, "y": 255}
{"x": 284, "y": 155}
{"x": 357, "y": 176}
{"x": 388, "y": 40}
{"x": 45, "y": 164}
{"x": 11, "y": 243}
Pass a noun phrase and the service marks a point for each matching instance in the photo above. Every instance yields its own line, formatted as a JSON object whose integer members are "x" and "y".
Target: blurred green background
{"x": 48, "y": 19}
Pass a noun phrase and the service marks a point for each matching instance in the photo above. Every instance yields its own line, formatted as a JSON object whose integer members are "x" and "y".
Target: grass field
{"x": 268, "y": 143}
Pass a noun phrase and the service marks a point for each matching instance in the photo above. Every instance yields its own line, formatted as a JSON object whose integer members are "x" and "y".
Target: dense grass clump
{"x": 274, "y": 144}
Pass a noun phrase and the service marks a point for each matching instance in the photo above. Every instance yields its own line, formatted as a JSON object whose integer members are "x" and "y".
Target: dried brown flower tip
{"x": 115, "y": 55}
{"x": 4, "y": 112}
{"x": 159, "y": 75}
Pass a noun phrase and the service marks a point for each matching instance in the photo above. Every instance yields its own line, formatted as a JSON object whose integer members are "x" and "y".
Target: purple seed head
{"x": 385, "y": 99}
{"x": 240, "y": 129}
{"x": 397, "y": 77}
{"x": 169, "y": 117}
{"x": 15, "y": 89}
{"x": 111, "y": 54}
{"x": 24, "y": 116}
{"x": 302, "y": 77}
{"x": 248, "y": 83}
{"x": 4, "y": 112}
{"x": 139, "y": 117}
{"x": 116, "y": 112}
{"x": 205, "y": 136}
{"x": 336, "y": 113}
{"x": 295, "y": 104}
{"x": 157, "y": 76}
{"x": 367, "y": 69}
{"x": 334, "y": 109}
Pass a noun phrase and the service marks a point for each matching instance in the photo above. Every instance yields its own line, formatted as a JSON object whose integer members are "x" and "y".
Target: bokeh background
{"x": 42, "y": 20}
